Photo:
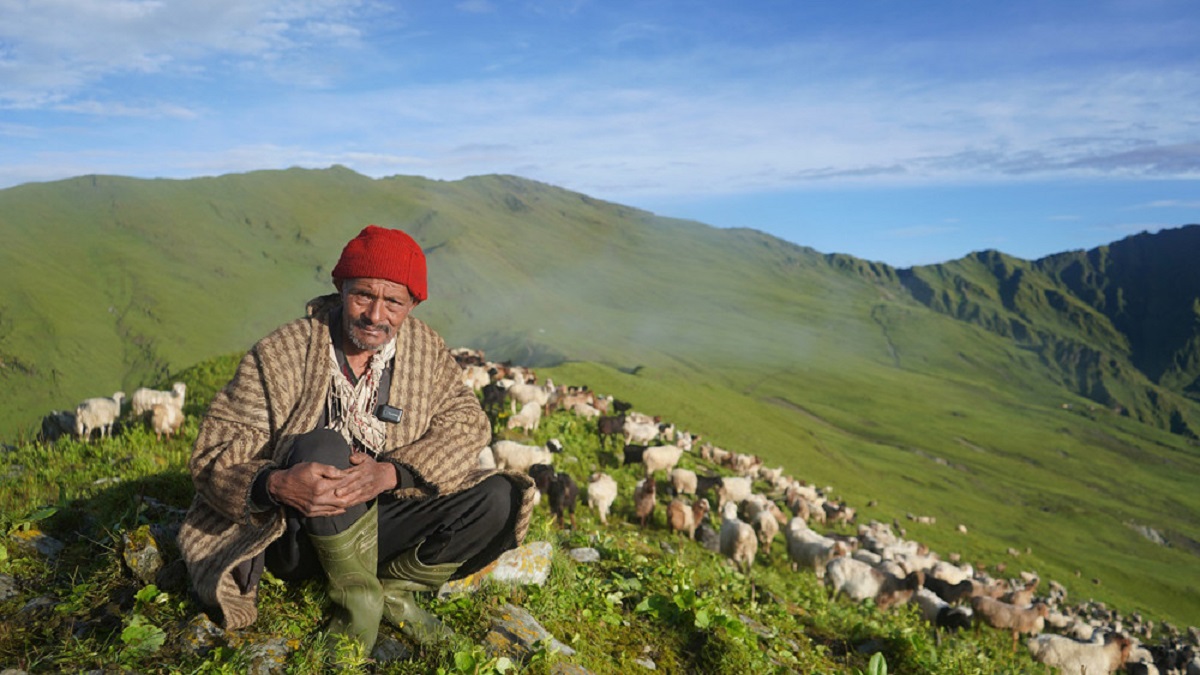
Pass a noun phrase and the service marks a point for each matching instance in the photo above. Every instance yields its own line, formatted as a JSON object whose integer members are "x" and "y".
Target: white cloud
{"x": 1172, "y": 204}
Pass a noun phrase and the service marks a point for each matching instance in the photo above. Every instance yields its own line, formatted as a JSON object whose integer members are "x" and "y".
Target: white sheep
{"x": 684, "y": 481}
{"x": 514, "y": 456}
{"x": 144, "y": 399}
{"x": 476, "y": 377}
{"x": 736, "y": 489}
{"x": 640, "y": 433}
{"x": 528, "y": 419}
{"x": 738, "y": 541}
{"x": 810, "y": 549}
{"x": 601, "y": 493}
{"x": 165, "y": 419}
{"x": 661, "y": 458}
{"x": 767, "y": 527}
{"x": 1073, "y": 657}
{"x": 97, "y": 413}
{"x": 525, "y": 394}
{"x": 859, "y": 581}
{"x": 487, "y": 460}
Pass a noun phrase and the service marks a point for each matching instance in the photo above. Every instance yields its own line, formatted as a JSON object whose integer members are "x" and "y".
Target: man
{"x": 347, "y": 443}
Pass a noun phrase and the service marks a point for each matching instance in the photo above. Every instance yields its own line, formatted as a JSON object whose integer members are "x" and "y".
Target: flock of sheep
{"x": 163, "y": 410}
{"x": 753, "y": 503}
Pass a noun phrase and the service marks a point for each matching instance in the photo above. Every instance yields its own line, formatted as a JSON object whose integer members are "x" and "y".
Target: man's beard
{"x": 365, "y": 324}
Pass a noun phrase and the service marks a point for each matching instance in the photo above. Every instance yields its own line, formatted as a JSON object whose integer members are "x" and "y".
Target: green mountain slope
{"x": 980, "y": 391}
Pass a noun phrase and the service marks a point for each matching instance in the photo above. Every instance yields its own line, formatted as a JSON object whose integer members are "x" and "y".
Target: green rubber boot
{"x": 401, "y": 577}
{"x": 350, "y": 559}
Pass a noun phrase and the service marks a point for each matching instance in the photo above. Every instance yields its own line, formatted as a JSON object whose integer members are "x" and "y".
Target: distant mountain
{"x": 113, "y": 283}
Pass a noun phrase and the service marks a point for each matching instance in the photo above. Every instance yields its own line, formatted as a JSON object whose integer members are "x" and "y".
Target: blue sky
{"x": 901, "y": 131}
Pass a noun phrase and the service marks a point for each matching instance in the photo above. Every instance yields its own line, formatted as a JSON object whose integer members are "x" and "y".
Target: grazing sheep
{"x": 738, "y": 541}
{"x": 632, "y": 454}
{"x": 144, "y": 399}
{"x": 683, "y": 481}
{"x": 767, "y": 527}
{"x": 644, "y": 500}
{"x": 661, "y": 458}
{"x": 97, "y": 413}
{"x": 859, "y": 581}
{"x": 476, "y": 377}
{"x": 527, "y": 419}
{"x": 734, "y": 489}
{"x": 56, "y": 424}
{"x": 1073, "y": 657}
{"x": 708, "y": 537}
{"x": 601, "y": 493}
{"x": 811, "y": 550}
{"x": 684, "y": 517}
{"x": 940, "y": 613}
{"x": 514, "y": 456}
{"x": 1002, "y": 615}
{"x": 563, "y": 492}
{"x": 1022, "y": 596}
{"x": 522, "y": 395}
{"x": 952, "y": 593}
{"x": 609, "y": 427}
{"x": 640, "y": 432}
{"x": 165, "y": 419}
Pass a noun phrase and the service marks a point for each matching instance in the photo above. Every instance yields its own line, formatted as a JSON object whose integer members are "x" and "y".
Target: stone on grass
{"x": 516, "y": 634}
{"x": 585, "y": 555}
{"x": 142, "y": 554}
{"x": 528, "y": 564}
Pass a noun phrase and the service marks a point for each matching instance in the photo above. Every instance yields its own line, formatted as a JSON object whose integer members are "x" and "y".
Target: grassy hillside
{"x": 652, "y": 596}
{"x": 973, "y": 391}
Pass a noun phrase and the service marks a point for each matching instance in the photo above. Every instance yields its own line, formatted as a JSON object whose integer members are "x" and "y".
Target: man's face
{"x": 375, "y": 308}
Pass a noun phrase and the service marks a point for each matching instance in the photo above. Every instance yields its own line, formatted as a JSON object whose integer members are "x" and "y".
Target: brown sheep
{"x": 997, "y": 614}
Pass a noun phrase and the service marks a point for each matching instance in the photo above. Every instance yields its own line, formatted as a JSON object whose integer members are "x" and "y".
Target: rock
{"x": 585, "y": 555}
{"x": 38, "y": 542}
{"x": 200, "y": 636}
{"x": 267, "y": 657}
{"x": 528, "y": 564}
{"x": 141, "y": 553}
{"x": 646, "y": 663}
{"x": 388, "y": 649}
{"x": 516, "y": 634}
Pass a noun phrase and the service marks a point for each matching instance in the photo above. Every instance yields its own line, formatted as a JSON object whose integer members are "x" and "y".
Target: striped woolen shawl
{"x": 278, "y": 392}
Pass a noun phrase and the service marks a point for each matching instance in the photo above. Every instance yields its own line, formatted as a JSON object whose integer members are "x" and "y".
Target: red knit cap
{"x": 380, "y": 253}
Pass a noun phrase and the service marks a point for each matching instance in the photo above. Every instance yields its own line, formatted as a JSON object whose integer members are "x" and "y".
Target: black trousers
{"x": 469, "y": 527}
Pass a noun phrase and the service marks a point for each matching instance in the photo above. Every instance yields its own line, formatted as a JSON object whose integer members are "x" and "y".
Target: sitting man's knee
{"x": 324, "y": 446}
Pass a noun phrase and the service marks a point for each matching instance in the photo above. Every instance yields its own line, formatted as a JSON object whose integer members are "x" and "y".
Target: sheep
{"x": 683, "y": 481}
{"x": 1021, "y": 596}
{"x": 952, "y": 593}
{"x": 165, "y": 419}
{"x": 809, "y": 549}
{"x": 859, "y": 581}
{"x": 644, "y": 500}
{"x": 601, "y": 493}
{"x": 563, "y": 492}
{"x": 609, "y": 427}
{"x": 527, "y": 394}
{"x": 684, "y": 517}
{"x": 492, "y": 397}
{"x": 998, "y": 614}
{"x": 97, "y": 413}
{"x": 56, "y": 424}
{"x": 640, "y": 432}
{"x": 661, "y": 458}
{"x": 1073, "y": 657}
{"x": 738, "y": 541}
{"x": 476, "y": 377}
{"x": 513, "y": 456}
{"x": 767, "y": 527}
{"x": 144, "y": 399}
{"x": 632, "y": 454}
{"x": 734, "y": 489}
{"x": 528, "y": 418}
{"x": 940, "y": 613}
{"x": 487, "y": 460}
